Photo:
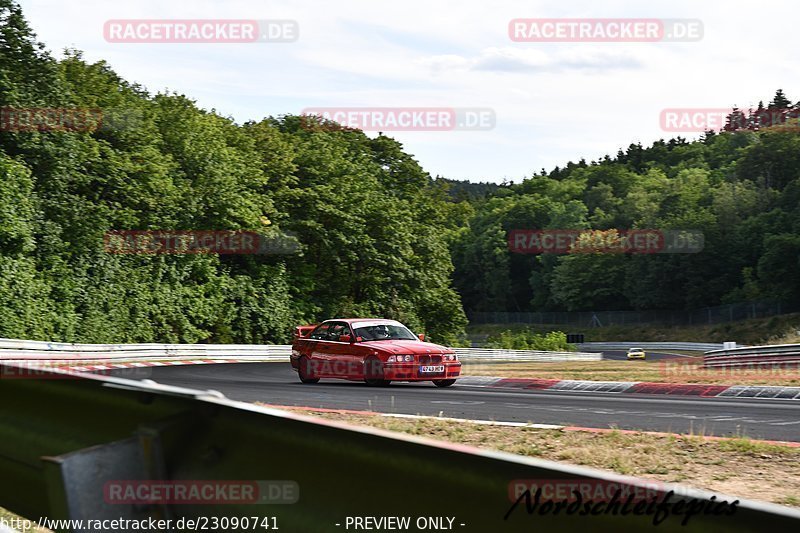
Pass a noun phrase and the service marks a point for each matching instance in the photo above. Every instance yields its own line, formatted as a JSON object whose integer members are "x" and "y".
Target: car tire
{"x": 305, "y": 372}
{"x": 443, "y": 382}
{"x": 373, "y": 373}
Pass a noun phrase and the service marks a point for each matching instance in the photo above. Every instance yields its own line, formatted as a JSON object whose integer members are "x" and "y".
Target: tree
{"x": 779, "y": 101}
{"x": 779, "y": 266}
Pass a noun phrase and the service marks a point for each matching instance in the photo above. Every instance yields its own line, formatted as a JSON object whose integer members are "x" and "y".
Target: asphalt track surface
{"x": 277, "y": 384}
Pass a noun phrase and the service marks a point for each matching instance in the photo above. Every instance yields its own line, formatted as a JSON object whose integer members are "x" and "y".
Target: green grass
{"x": 747, "y": 446}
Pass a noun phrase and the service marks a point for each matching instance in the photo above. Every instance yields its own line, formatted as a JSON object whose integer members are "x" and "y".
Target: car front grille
{"x": 430, "y": 359}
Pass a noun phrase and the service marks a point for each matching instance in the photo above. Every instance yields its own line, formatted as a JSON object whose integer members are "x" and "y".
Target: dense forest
{"x": 374, "y": 227}
{"x": 739, "y": 187}
{"x": 378, "y": 236}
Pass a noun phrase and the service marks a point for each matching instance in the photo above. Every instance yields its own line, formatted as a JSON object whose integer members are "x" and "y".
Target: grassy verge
{"x": 777, "y": 329}
{"x": 675, "y": 371}
{"x": 739, "y": 467}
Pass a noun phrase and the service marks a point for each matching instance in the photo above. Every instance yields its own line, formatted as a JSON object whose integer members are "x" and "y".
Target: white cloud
{"x": 554, "y": 102}
{"x": 531, "y": 60}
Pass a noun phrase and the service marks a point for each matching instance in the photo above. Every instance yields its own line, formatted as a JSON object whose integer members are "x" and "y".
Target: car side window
{"x": 321, "y": 332}
{"x": 334, "y": 332}
{"x": 337, "y": 330}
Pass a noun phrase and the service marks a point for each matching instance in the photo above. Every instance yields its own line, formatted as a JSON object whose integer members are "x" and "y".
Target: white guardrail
{"x": 487, "y": 354}
{"x": 624, "y": 345}
{"x": 16, "y": 350}
{"x": 754, "y": 356}
{"x": 13, "y": 349}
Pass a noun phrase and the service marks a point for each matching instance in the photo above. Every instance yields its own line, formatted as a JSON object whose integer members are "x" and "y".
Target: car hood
{"x": 407, "y": 347}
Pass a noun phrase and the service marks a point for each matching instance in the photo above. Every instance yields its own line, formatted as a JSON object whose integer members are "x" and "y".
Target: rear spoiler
{"x": 302, "y": 331}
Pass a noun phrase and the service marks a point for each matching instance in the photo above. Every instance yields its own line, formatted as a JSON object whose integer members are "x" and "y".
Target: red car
{"x": 376, "y": 351}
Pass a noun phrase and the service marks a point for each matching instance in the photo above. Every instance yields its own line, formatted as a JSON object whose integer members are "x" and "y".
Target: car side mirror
{"x": 345, "y": 338}
{"x": 421, "y": 337}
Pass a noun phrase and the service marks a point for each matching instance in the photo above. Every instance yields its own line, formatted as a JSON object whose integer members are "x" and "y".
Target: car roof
{"x": 352, "y": 320}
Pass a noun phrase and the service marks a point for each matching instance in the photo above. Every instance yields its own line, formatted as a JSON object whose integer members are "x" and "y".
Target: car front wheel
{"x": 305, "y": 372}
{"x": 373, "y": 373}
{"x": 443, "y": 382}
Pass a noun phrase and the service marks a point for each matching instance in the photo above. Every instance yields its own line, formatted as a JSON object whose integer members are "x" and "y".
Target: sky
{"x": 552, "y": 102}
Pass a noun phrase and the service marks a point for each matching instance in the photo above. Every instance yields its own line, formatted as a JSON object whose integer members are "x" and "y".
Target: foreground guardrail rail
{"x": 778, "y": 355}
{"x": 70, "y": 445}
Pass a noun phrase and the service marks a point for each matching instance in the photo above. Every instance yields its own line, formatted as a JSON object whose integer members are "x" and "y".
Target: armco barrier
{"x": 624, "y": 345}
{"x": 11, "y": 349}
{"x": 779, "y": 355}
{"x": 63, "y": 440}
{"x": 488, "y": 355}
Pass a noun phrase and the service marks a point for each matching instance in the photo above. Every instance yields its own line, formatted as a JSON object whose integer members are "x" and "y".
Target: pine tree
{"x": 757, "y": 118}
{"x": 779, "y": 101}
{"x": 736, "y": 120}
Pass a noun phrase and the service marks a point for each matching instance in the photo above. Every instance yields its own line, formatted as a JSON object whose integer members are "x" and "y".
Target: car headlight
{"x": 400, "y": 359}
{"x": 450, "y": 357}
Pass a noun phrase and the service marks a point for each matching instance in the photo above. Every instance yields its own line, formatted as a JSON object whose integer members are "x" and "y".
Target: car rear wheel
{"x": 305, "y": 372}
{"x": 373, "y": 373}
{"x": 443, "y": 382}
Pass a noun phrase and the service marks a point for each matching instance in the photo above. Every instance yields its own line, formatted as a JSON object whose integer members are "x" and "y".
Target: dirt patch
{"x": 737, "y": 467}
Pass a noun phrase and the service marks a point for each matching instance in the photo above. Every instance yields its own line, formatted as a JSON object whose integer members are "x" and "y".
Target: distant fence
{"x": 707, "y": 315}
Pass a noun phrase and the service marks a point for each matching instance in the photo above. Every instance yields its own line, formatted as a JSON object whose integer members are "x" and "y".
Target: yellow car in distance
{"x": 636, "y": 353}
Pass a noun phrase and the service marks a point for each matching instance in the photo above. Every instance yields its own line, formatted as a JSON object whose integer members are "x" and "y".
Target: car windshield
{"x": 383, "y": 332}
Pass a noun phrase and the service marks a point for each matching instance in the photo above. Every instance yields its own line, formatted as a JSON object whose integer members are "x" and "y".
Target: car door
{"x": 318, "y": 348}
{"x": 358, "y": 354}
{"x": 340, "y": 352}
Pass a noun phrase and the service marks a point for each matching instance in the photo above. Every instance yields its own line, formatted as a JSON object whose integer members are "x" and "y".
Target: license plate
{"x": 432, "y": 369}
